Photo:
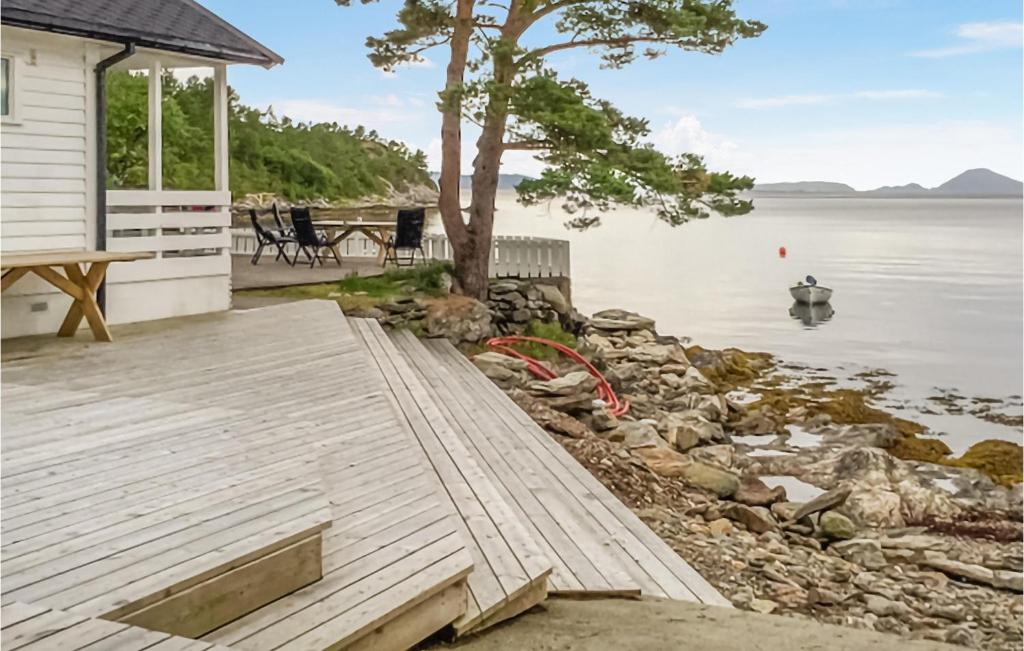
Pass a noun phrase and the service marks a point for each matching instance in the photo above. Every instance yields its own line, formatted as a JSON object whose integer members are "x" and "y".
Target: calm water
{"x": 928, "y": 289}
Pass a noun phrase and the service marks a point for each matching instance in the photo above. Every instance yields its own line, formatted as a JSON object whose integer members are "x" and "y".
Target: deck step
{"x": 594, "y": 541}
{"x": 510, "y": 570}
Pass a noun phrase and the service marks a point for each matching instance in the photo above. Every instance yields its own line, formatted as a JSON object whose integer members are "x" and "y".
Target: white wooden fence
{"x": 511, "y": 255}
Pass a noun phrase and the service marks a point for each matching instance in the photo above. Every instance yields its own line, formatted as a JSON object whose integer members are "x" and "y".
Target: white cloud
{"x": 831, "y": 98}
{"x": 687, "y": 135}
{"x": 979, "y": 37}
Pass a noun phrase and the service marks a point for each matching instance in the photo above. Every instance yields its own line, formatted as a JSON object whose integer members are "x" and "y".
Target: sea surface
{"x": 928, "y": 289}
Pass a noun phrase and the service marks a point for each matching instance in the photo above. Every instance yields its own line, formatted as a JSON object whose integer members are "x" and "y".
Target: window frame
{"x": 13, "y": 95}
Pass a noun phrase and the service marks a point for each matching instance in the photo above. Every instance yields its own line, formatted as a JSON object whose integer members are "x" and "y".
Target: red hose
{"x": 604, "y": 390}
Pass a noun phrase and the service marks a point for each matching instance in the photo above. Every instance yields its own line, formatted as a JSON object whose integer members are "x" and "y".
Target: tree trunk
{"x": 449, "y": 201}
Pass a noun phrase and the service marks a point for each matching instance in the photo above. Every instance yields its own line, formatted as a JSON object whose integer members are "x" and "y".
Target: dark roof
{"x": 176, "y": 25}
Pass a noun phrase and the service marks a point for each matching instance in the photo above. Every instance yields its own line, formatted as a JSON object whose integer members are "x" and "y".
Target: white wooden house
{"x": 52, "y": 183}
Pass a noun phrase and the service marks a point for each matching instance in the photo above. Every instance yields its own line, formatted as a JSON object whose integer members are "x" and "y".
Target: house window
{"x": 8, "y": 88}
{"x": 5, "y": 86}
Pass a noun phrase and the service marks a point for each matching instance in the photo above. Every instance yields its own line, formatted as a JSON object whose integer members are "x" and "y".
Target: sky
{"x": 864, "y": 92}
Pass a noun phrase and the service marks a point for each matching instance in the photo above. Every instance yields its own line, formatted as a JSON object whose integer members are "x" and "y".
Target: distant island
{"x": 972, "y": 183}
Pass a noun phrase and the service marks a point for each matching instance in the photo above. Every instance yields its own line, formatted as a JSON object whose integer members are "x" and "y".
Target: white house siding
{"x": 46, "y": 175}
{"x": 47, "y": 183}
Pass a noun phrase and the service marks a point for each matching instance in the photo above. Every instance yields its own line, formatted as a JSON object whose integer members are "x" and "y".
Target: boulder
{"x": 603, "y": 420}
{"x": 720, "y": 482}
{"x": 720, "y": 527}
{"x": 551, "y": 419}
{"x": 687, "y": 430}
{"x": 864, "y": 551}
{"x": 613, "y": 320}
{"x": 503, "y": 370}
{"x": 694, "y": 380}
{"x": 458, "y": 319}
{"x": 570, "y": 384}
{"x": 886, "y": 607}
{"x": 836, "y": 526}
{"x": 754, "y": 492}
{"x": 826, "y": 500}
{"x": 1003, "y": 579}
{"x": 637, "y": 434}
{"x": 550, "y": 295}
{"x": 755, "y": 518}
{"x": 662, "y": 461}
{"x": 874, "y": 506}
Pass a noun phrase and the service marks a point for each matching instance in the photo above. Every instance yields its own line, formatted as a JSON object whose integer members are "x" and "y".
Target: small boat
{"x": 810, "y": 293}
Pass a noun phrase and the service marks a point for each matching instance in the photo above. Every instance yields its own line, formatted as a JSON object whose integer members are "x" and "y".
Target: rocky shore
{"x": 767, "y": 483}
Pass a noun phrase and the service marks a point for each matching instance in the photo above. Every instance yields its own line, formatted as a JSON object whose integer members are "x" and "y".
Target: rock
{"x": 521, "y": 315}
{"x": 743, "y": 597}
{"x": 915, "y": 543}
{"x": 720, "y": 482}
{"x": 1002, "y": 579}
{"x": 886, "y": 607}
{"x": 662, "y": 461}
{"x": 837, "y": 526}
{"x": 502, "y": 369}
{"x": 755, "y": 518}
{"x": 754, "y": 492}
{"x": 570, "y": 384}
{"x": 720, "y": 527}
{"x": 458, "y": 319}
{"x": 720, "y": 455}
{"x": 694, "y": 380}
{"x": 550, "y": 295}
{"x": 786, "y": 510}
{"x": 620, "y": 320}
{"x": 638, "y": 434}
{"x": 687, "y": 430}
{"x": 826, "y": 500}
{"x": 763, "y": 606}
{"x": 602, "y": 420}
{"x": 961, "y": 635}
{"x": 862, "y": 551}
{"x": 818, "y": 595}
{"x": 551, "y": 419}
{"x": 656, "y": 354}
{"x": 875, "y": 506}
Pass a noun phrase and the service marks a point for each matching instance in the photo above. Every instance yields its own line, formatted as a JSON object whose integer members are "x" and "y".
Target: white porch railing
{"x": 511, "y": 256}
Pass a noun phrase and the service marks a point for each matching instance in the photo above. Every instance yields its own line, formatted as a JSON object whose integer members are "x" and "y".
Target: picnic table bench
{"x": 83, "y": 273}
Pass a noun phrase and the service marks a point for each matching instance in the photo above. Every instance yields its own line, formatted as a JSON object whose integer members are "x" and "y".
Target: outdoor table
{"x": 378, "y": 231}
{"x": 80, "y": 282}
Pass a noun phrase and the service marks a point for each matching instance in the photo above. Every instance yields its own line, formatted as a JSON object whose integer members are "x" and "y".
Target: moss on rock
{"x": 1000, "y": 460}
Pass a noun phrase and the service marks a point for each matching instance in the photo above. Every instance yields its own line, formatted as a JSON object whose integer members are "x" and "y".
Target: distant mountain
{"x": 972, "y": 183}
{"x": 505, "y": 181}
{"x": 981, "y": 182}
{"x": 805, "y": 187}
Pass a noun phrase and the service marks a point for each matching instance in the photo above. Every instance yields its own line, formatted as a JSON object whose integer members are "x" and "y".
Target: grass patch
{"x": 363, "y": 292}
{"x": 552, "y": 331}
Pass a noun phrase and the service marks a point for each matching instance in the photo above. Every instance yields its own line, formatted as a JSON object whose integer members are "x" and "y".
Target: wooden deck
{"x": 285, "y": 478}
{"x": 134, "y": 469}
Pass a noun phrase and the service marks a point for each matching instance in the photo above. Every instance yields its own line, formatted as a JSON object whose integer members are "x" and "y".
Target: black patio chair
{"x": 281, "y": 227}
{"x": 266, "y": 237}
{"x": 310, "y": 241}
{"x": 408, "y": 236}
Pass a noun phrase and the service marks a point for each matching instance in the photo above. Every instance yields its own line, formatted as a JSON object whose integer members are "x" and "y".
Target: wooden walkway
{"x": 137, "y": 468}
{"x": 509, "y": 569}
{"x": 596, "y": 544}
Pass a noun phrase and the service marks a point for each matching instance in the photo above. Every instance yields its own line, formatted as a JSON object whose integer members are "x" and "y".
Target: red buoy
{"x": 782, "y": 252}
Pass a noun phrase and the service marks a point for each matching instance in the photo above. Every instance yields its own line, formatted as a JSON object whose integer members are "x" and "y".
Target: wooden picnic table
{"x": 376, "y": 230}
{"x": 83, "y": 273}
